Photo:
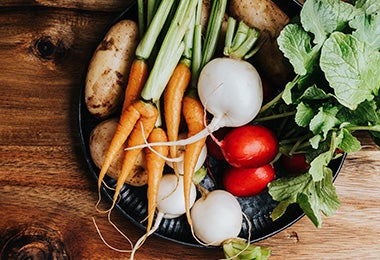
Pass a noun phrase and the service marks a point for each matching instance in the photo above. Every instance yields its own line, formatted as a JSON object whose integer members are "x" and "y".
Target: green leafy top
{"x": 334, "y": 50}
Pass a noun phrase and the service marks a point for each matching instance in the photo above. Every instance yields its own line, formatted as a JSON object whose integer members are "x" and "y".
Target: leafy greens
{"x": 334, "y": 50}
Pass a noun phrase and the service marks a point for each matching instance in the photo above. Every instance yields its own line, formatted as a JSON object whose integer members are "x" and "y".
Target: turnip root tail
{"x": 142, "y": 239}
{"x": 106, "y": 243}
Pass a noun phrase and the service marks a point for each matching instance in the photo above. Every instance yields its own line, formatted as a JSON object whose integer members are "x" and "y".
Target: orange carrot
{"x": 142, "y": 128}
{"x": 155, "y": 167}
{"x": 193, "y": 112}
{"x": 173, "y": 96}
{"x": 137, "y": 78}
{"x": 147, "y": 113}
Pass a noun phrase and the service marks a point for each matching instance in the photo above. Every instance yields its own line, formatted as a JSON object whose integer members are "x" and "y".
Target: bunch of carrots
{"x": 173, "y": 75}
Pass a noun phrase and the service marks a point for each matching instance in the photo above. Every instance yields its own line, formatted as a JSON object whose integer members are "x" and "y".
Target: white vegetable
{"x": 180, "y": 154}
{"x": 216, "y": 217}
{"x": 231, "y": 90}
{"x": 171, "y": 201}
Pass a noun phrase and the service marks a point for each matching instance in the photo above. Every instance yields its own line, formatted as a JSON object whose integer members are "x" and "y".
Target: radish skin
{"x": 170, "y": 204}
{"x": 231, "y": 90}
{"x": 180, "y": 154}
{"x": 216, "y": 217}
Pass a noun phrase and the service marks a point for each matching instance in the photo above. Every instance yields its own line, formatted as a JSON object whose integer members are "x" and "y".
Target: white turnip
{"x": 216, "y": 217}
{"x": 231, "y": 90}
{"x": 180, "y": 154}
{"x": 217, "y": 220}
{"x": 170, "y": 203}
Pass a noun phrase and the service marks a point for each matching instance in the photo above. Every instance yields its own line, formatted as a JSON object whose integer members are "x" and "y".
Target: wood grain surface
{"x": 47, "y": 195}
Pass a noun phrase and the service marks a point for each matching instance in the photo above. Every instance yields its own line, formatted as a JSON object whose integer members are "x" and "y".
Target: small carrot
{"x": 173, "y": 96}
{"x": 137, "y": 78}
{"x": 142, "y": 128}
{"x": 155, "y": 167}
{"x": 125, "y": 126}
{"x": 193, "y": 112}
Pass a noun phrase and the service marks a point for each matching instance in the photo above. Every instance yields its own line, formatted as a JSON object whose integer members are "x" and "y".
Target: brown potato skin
{"x": 270, "y": 20}
{"x": 109, "y": 67}
{"x": 100, "y": 138}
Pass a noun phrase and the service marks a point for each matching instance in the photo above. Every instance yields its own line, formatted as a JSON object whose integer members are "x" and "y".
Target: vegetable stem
{"x": 375, "y": 128}
{"x": 272, "y": 102}
{"x": 145, "y": 47}
{"x": 197, "y": 47}
{"x": 214, "y": 27}
{"x": 170, "y": 51}
{"x": 275, "y": 116}
{"x": 240, "y": 44}
{"x": 140, "y": 12}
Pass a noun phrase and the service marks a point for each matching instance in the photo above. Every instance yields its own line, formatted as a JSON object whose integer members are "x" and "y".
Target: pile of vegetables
{"x": 180, "y": 82}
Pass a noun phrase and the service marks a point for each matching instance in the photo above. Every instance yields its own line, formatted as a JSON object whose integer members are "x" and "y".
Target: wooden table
{"x": 47, "y": 194}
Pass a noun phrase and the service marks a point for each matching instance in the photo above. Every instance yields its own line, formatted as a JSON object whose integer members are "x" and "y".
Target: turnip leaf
{"x": 322, "y": 17}
{"x": 295, "y": 43}
{"x": 351, "y": 67}
{"x": 367, "y": 29}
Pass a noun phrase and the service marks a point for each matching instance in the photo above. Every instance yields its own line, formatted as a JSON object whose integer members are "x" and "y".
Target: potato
{"x": 109, "y": 67}
{"x": 100, "y": 138}
{"x": 270, "y": 20}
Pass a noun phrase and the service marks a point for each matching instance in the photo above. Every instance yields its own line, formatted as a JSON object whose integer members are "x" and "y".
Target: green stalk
{"x": 276, "y": 116}
{"x": 188, "y": 40}
{"x": 214, "y": 27}
{"x": 151, "y": 10}
{"x": 375, "y": 128}
{"x": 203, "y": 54}
{"x": 145, "y": 47}
{"x": 271, "y": 103}
{"x": 140, "y": 13}
{"x": 168, "y": 57}
{"x": 197, "y": 47}
{"x": 240, "y": 44}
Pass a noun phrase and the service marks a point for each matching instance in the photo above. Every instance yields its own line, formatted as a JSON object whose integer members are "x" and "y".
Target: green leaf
{"x": 295, "y": 43}
{"x": 319, "y": 164}
{"x": 238, "y": 249}
{"x": 368, "y": 6}
{"x": 319, "y": 196}
{"x": 324, "y": 121}
{"x": 349, "y": 143}
{"x": 322, "y": 17}
{"x": 314, "y": 93}
{"x": 365, "y": 113}
{"x": 367, "y": 29}
{"x": 315, "y": 140}
{"x": 351, "y": 67}
{"x": 285, "y": 190}
{"x": 304, "y": 114}
{"x": 313, "y": 197}
{"x": 287, "y": 94}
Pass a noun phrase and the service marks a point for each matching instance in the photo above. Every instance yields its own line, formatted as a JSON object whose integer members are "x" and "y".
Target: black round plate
{"x": 133, "y": 202}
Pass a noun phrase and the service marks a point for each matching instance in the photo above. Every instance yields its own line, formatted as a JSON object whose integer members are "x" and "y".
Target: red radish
{"x": 295, "y": 164}
{"x": 249, "y": 146}
{"x": 245, "y": 182}
{"x": 212, "y": 147}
